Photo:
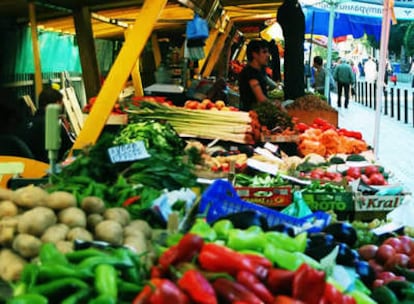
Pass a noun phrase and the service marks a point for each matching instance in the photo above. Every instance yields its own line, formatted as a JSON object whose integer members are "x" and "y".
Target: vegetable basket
{"x": 221, "y": 199}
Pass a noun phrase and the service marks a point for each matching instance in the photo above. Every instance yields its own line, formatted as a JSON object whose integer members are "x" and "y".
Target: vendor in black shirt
{"x": 253, "y": 80}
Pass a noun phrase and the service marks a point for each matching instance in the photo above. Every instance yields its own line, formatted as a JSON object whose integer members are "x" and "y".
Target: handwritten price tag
{"x": 128, "y": 152}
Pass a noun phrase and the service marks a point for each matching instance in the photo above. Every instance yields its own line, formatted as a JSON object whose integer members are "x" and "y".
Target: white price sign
{"x": 128, "y": 152}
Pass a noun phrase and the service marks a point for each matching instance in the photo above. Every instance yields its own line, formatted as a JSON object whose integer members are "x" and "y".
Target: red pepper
{"x": 253, "y": 284}
{"x": 131, "y": 200}
{"x": 301, "y": 127}
{"x": 219, "y": 258}
{"x": 333, "y": 296}
{"x": 308, "y": 284}
{"x": 161, "y": 291}
{"x": 197, "y": 287}
{"x": 280, "y": 281}
{"x": 185, "y": 251}
{"x": 231, "y": 292}
{"x": 156, "y": 272}
{"x": 282, "y": 299}
{"x": 259, "y": 260}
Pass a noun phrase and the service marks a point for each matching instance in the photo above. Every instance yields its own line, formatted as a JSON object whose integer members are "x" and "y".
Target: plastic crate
{"x": 221, "y": 199}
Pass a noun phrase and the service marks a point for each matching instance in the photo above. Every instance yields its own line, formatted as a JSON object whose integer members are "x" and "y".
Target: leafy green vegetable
{"x": 273, "y": 116}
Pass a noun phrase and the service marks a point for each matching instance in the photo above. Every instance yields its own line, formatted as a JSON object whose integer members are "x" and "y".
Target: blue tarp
{"x": 344, "y": 24}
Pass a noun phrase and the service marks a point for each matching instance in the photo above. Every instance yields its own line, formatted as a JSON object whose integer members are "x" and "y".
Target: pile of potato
{"x": 30, "y": 216}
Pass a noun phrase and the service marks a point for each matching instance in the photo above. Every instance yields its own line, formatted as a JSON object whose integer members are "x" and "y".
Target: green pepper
{"x": 106, "y": 280}
{"x": 28, "y": 298}
{"x": 78, "y": 297}
{"x": 28, "y": 279}
{"x": 50, "y": 254}
{"x": 284, "y": 241}
{"x": 103, "y": 299}
{"x": 88, "y": 265}
{"x": 57, "y": 271}
{"x": 242, "y": 239}
{"x": 173, "y": 239}
{"x": 59, "y": 287}
{"x": 284, "y": 259}
{"x": 79, "y": 255}
{"x": 222, "y": 228}
{"x": 203, "y": 229}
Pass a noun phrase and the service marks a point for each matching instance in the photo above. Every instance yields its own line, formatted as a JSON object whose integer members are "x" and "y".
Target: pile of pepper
{"x": 87, "y": 275}
{"x": 196, "y": 271}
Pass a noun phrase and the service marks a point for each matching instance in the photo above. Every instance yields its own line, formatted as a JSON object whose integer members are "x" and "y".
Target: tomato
{"x": 368, "y": 251}
{"x": 395, "y": 242}
{"x": 406, "y": 244}
{"x": 354, "y": 172}
{"x": 377, "y": 267}
{"x": 386, "y": 275}
{"x": 377, "y": 179}
{"x": 399, "y": 259}
{"x": 384, "y": 252}
{"x": 371, "y": 170}
{"x": 365, "y": 179}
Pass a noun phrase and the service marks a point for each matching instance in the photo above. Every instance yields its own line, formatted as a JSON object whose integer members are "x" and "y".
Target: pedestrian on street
{"x": 344, "y": 77}
{"x": 370, "y": 69}
{"x": 412, "y": 73}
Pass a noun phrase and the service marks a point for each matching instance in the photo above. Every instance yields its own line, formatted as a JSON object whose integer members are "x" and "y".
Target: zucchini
{"x": 355, "y": 157}
{"x": 384, "y": 295}
{"x": 335, "y": 160}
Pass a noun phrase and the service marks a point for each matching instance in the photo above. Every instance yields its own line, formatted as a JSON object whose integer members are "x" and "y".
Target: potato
{"x": 8, "y": 208}
{"x": 7, "y": 235}
{"x": 60, "y": 200}
{"x": 11, "y": 265}
{"x": 72, "y": 217}
{"x": 142, "y": 226}
{"x": 120, "y": 215}
{"x": 93, "y": 204}
{"x": 28, "y": 246}
{"x": 79, "y": 233}
{"x": 36, "y": 221}
{"x": 92, "y": 220}
{"x": 109, "y": 231}
{"x": 6, "y": 194}
{"x": 55, "y": 233}
{"x": 65, "y": 246}
{"x": 30, "y": 196}
{"x": 136, "y": 242}
{"x": 10, "y": 221}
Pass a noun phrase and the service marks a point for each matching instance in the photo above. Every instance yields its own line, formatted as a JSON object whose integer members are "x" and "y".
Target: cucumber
{"x": 384, "y": 295}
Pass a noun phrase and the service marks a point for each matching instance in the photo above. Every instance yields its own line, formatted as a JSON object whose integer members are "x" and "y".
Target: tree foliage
{"x": 409, "y": 40}
{"x": 397, "y": 33}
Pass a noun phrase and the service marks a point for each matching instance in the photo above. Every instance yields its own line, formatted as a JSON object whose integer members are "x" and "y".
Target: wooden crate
{"x": 307, "y": 117}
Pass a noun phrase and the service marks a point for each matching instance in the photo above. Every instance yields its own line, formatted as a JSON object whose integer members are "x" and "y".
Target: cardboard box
{"x": 280, "y": 138}
{"x": 338, "y": 201}
{"x": 272, "y": 197}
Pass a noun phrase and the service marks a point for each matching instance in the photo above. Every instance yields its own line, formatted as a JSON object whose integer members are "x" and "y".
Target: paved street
{"x": 395, "y": 144}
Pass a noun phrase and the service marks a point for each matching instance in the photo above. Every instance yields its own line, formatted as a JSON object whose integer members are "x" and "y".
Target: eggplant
{"x": 342, "y": 232}
{"x": 320, "y": 239}
{"x": 366, "y": 272}
{"x": 289, "y": 230}
{"x": 246, "y": 219}
{"x": 319, "y": 252}
{"x": 346, "y": 256}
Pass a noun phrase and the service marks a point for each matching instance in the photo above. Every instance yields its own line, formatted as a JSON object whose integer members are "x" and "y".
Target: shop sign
{"x": 129, "y": 152}
{"x": 378, "y": 203}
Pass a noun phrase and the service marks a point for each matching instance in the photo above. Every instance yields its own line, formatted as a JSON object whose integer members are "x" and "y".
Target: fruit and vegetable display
{"x": 235, "y": 126}
{"x": 130, "y": 219}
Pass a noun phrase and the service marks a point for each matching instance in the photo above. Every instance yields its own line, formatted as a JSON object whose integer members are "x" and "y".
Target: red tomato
{"x": 376, "y": 179}
{"x": 395, "y": 242}
{"x": 354, "y": 172}
{"x": 365, "y": 179}
{"x": 406, "y": 244}
{"x": 371, "y": 170}
{"x": 384, "y": 252}
{"x": 399, "y": 259}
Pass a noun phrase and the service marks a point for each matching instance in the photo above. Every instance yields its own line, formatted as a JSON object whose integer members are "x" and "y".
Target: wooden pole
{"x": 119, "y": 72}
{"x": 38, "y": 81}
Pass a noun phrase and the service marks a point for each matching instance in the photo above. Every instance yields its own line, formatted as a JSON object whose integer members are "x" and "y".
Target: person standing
{"x": 344, "y": 77}
{"x": 253, "y": 79}
{"x": 292, "y": 20}
{"x": 319, "y": 75}
{"x": 370, "y": 70}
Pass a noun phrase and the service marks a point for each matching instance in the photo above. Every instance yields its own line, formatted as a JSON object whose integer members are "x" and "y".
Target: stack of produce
{"x": 325, "y": 139}
{"x": 30, "y": 217}
{"x": 234, "y": 126}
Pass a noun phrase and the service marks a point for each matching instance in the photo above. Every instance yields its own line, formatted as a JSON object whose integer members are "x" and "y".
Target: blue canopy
{"x": 345, "y": 24}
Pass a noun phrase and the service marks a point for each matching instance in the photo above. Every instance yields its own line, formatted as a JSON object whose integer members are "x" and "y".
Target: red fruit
{"x": 354, "y": 172}
{"x": 378, "y": 283}
{"x": 377, "y": 179}
{"x": 410, "y": 263}
{"x": 371, "y": 170}
{"x": 394, "y": 242}
{"x": 406, "y": 244}
{"x": 399, "y": 259}
{"x": 384, "y": 252}
{"x": 365, "y": 179}
{"x": 368, "y": 252}
{"x": 386, "y": 275}
{"x": 377, "y": 267}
